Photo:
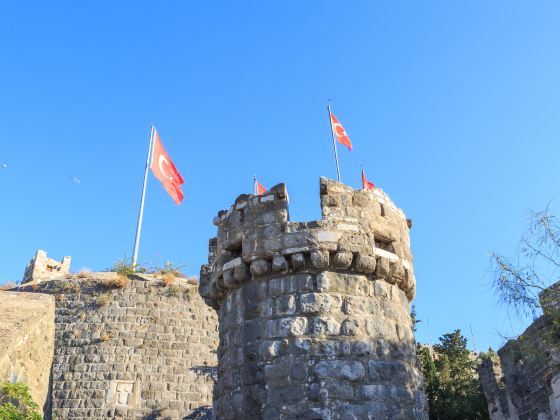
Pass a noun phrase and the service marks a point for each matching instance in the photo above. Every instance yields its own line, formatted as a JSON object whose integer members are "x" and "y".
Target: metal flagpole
{"x": 472, "y": 335}
{"x": 141, "y": 212}
{"x": 334, "y": 143}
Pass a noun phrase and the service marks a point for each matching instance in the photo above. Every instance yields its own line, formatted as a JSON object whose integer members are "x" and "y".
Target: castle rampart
{"x": 314, "y": 316}
{"x": 130, "y": 348}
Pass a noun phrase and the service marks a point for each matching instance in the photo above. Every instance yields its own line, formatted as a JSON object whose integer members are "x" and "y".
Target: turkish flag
{"x": 165, "y": 171}
{"x": 366, "y": 185}
{"x": 260, "y": 189}
{"x": 340, "y": 132}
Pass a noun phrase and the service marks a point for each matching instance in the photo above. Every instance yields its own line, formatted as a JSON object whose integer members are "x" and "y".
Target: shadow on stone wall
{"x": 201, "y": 413}
{"x": 211, "y": 372}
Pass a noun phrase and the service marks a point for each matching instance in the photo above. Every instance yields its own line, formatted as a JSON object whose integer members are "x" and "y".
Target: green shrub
{"x": 26, "y": 408}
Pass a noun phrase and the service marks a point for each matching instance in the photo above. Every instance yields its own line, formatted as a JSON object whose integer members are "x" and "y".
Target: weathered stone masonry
{"x": 144, "y": 351}
{"x": 314, "y": 317}
{"x": 523, "y": 382}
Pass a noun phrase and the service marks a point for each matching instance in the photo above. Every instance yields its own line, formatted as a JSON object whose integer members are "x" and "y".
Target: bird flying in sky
{"x": 74, "y": 180}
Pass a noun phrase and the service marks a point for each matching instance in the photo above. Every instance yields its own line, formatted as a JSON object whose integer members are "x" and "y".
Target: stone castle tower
{"x": 314, "y": 316}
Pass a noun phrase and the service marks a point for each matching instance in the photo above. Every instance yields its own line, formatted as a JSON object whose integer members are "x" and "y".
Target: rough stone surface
{"x": 43, "y": 268}
{"x": 143, "y": 351}
{"x": 322, "y": 336}
{"x": 523, "y": 381}
{"x": 27, "y": 342}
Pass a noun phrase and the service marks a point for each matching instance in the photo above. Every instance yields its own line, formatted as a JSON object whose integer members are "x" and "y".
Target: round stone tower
{"x": 314, "y": 316}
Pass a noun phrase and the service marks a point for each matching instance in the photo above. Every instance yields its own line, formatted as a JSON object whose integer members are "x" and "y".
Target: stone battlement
{"x": 360, "y": 232}
{"x": 43, "y": 268}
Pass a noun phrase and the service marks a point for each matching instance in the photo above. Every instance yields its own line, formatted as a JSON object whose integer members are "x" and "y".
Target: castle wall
{"x": 314, "y": 317}
{"x": 523, "y": 381}
{"x": 27, "y": 341}
{"x": 142, "y": 351}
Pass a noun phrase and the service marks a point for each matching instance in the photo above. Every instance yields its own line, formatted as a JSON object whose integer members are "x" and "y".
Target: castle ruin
{"x": 43, "y": 268}
{"x": 523, "y": 381}
{"x": 314, "y": 316}
{"x": 306, "y": 320}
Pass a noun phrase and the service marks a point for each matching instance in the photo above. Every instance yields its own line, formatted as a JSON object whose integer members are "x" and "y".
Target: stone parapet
{"x": 360, "y": 232}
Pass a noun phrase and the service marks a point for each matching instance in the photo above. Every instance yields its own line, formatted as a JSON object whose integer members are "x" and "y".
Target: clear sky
{"x": 453, "y": 109}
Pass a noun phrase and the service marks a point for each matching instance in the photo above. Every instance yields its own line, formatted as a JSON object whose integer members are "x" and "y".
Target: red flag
{"x": 165, "y": 171}
{"x": 366, "y": 185}
{"x": 259, "y": 189}
{"x": 340, "y": 132}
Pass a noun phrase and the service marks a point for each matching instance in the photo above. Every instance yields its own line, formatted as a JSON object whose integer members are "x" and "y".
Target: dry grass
{"x": 192, "y": 280}
{"x": 167, "y": 279}
{"x": 174, "y": 290}
{"x": 8, "y": 286}
{"x": 105, "y": 337}
{"x": 35, "y": 286}
{"x": 104, "y": 299}
{"x": 118, "y": 282}
{"x": 83, "y": 274}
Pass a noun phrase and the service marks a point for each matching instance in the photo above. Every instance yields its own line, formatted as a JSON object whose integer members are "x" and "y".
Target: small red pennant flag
{"x": 366, "y": 185}
{"x": 259, "y": 189}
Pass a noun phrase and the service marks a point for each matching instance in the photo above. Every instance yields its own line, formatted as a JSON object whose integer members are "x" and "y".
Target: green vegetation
{"x": 521, "y": 282}
{"x": 452, "y": 385}
{"x": 124, "y": 267}
{"x": 16, "y": 403}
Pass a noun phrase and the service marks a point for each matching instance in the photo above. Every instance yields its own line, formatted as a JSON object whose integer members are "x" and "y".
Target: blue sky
{"x": 453, "y": 109}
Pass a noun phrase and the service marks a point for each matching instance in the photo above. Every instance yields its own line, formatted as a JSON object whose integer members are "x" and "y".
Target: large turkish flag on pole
{"x": 164, "y": 170}
{"x": 340, "y": 132}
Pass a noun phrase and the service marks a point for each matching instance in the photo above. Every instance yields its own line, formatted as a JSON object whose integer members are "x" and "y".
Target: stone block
{"x": 233, "y": 263}
{"x": 374, "y": 392}
{"x": 339, "y": 369}
{"x": 383, "y": 268}
{"x": 385, "y": 371}
{"x": 285, "y": 305}
{"x": 365, "y": 264}
{"x": 298, "y": 260}
{"x": 259, "y": 267}
{"x": 228, "y": 278}
{"x": 241, "y": 273}
{"x": 283, "y": 327}
{"x": 342, "y": 260}
{"x": 327, "y": 236}
{"x": 349, "y": 327}
{"x": 279, "y": 264}
{"x": 270, "y": 349}
{"x": 315, "y": 302}
{"x": 325, "y": 326}
{"x": 319, "y": 259}
{"x": 338, "y": 391}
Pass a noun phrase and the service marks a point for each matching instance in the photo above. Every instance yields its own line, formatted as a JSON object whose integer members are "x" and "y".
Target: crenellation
{"x": 43, "y": 268}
